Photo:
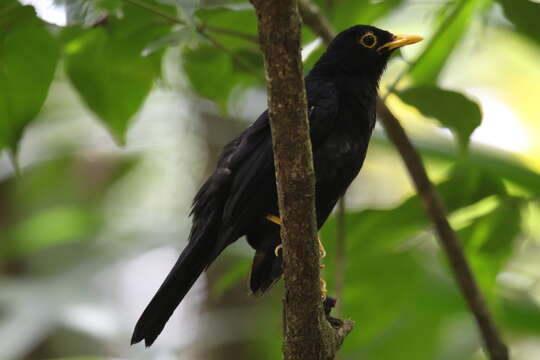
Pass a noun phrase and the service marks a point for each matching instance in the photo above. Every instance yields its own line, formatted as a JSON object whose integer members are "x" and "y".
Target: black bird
{"x": 239, "y": 198}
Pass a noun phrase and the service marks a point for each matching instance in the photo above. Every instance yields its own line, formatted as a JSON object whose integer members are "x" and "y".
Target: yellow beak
{"x": 399, "y": 41}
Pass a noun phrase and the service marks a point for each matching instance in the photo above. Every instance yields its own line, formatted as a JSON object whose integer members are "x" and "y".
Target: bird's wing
{"x": 212, "y": 196}
{"x": 253, "y": 193}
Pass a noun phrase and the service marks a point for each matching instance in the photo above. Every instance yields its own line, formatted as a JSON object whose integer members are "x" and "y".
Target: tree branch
{"x": 493, "y": 343}
{"x": 308, "y": 335}
{"x": 238, "y": 34}
{"x": 312, "y": 17}
{"x": 203, "y": 31}
{"x": 157, "y": 11}
{"x": 340, "y": 258}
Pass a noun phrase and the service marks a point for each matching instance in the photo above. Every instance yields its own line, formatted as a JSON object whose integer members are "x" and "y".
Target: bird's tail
{"x": 191, "y": 263}
{"x": 205, "y": 244}
{"x": 265, "y": 271}
{"x": 267, "y": 263}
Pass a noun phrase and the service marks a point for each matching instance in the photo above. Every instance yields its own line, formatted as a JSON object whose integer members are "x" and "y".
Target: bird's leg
{"x": 277, "y": 221}
{"x": 322, "y": 251}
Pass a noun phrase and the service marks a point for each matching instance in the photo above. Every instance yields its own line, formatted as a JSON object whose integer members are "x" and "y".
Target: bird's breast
{"x": 341, "y": 156}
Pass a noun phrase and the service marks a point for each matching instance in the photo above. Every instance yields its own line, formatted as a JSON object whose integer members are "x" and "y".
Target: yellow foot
{"x": 276, "y": 220}
{"x": 276, "y": 250}
{"x": 323, "y": 288}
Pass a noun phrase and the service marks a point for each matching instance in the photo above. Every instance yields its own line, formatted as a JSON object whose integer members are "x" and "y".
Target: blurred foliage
{"x": 523, "y": 14}
{"x": 108, "y": 68}
{"x": 457, "y": 17}
{"x": 398, "y": 288}
{"x": 68, "y": 210}
{"x": 345, "y": 13}
{"x": 434, "y": 102}
{"x": 87, "y": 13}
{"x": 24, "y": 84}
{"x": 215, "y": 75}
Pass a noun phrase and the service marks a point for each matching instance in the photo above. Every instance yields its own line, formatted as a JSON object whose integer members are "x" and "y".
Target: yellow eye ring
{"x": 368, "y": 40}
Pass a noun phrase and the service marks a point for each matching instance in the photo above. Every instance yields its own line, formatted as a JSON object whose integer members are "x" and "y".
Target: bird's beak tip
{"x": 401, "y": 40}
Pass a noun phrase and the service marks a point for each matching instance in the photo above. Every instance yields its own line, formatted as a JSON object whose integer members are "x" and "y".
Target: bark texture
{"x": 307, "y": 333}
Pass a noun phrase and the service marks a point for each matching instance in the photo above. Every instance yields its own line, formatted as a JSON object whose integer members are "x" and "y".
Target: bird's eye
{"x": 368, "y": 40}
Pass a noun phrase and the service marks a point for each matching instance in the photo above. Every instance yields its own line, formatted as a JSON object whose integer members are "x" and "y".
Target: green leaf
{"x": 107, "y": 67}
{"x": 489, "y": 241}
{"x": 210, "y": 73}
{"x": 223, "y": 63}
{"x": 345, "y": 14}
{"x": 521, "y": 313}
{"x": 87, "y": 12}
{"x": 499, "y": 164}
{"x": 524, "y": 14}
{"x": 214, "y": 74}
{"x": 453, "y": 109}
{"x": 427, "y": 68}
{"x": 188, "y": 8}
{"x": 28, "y": 59}
{"x": 243, "y": 21}
{"x": 174, "y": 38}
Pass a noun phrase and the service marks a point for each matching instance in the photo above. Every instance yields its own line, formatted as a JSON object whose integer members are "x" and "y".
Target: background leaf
{"x": 87, "y": 12}
{"x": 107, "y": 67}
{"x": 223, "y": 63}
{"x": 345, "y": 14}
{"x": 499, "y": 164}
{"x": 524, "y": 14}
{"x": 23, "y": 84}
{"x": 68, "y": 210}
{"x": 441, "y": 104}
{"x": 241, "y": 20}
{"x": 214, "y": 75}
{"x": 489, "y": 241}
{"x": 456, "y": 21}
{"x": 521, "y": 313}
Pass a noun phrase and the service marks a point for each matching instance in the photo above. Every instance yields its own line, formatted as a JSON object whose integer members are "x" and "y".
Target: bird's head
{"x": 361, "y": 51}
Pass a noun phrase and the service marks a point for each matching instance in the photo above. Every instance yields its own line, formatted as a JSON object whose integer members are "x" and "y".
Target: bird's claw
{"x": 322, "y": 253}
{"x": 322, "y": 250}
{"x": 276, "y": 250}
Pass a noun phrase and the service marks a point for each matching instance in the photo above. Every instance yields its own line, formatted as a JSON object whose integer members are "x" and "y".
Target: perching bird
{"x": 239, "y": 198}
